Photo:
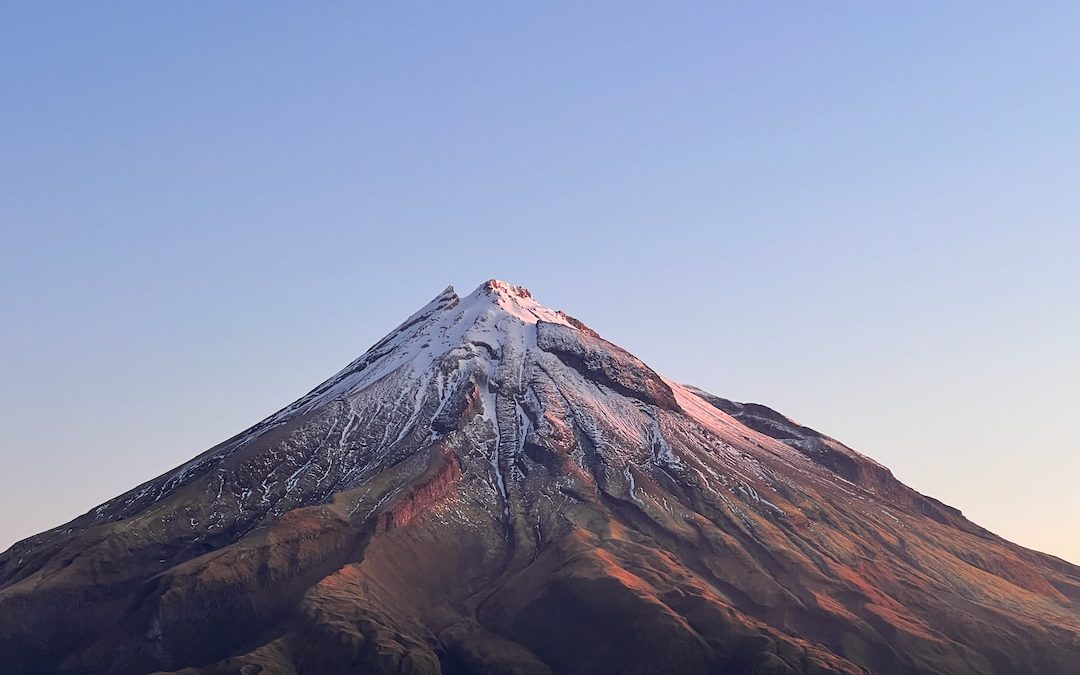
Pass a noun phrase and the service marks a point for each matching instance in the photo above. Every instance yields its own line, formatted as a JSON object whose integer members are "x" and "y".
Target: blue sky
{"x": 864, "y": 216}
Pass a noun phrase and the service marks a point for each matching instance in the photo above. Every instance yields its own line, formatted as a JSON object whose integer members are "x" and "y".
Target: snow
{"x": 632, "y": 486}
{"x": 519, "y": 303}
{"x": 402, "y": 383}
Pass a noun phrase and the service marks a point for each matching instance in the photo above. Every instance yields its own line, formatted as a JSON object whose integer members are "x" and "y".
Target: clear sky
{"x": 866, "y": 216}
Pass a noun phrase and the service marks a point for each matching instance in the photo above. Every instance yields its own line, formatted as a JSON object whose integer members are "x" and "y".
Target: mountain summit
{"x": 494, "y": 488}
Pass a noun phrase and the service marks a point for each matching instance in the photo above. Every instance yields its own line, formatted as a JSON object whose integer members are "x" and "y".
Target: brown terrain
{"x": 493, "y": 488}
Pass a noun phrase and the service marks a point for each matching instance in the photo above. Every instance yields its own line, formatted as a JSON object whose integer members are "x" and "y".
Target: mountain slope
{"x": 494, "y": 488}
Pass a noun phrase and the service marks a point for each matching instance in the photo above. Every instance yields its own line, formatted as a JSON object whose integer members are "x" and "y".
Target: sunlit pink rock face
{"x": 494, "y": 488}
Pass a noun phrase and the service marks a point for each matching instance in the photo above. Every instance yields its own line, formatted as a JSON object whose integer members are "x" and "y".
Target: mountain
{"x": 494, "y": 488}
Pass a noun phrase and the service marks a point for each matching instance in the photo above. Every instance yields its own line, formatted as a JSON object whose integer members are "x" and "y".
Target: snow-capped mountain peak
{"x": 493, "y": 488}
{"x": 498, "y": 315}
{"x": 517, "y": 301}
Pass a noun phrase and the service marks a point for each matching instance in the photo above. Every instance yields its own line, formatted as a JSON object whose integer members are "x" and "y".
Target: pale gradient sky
{"x": 867, "y": 217}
